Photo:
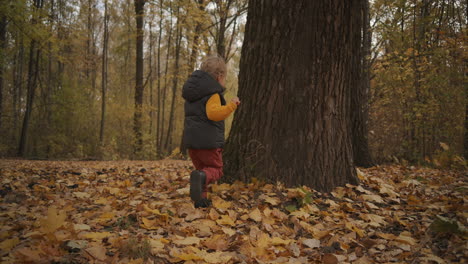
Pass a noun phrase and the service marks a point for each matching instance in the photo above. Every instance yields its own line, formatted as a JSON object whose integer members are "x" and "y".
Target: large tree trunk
{"x": 294, "y": 81}
{"x": 360, "y": 94}
{"x": 33, "y": 71}
{"x": 139, "y": 11}
{"x": 104, "y": 74}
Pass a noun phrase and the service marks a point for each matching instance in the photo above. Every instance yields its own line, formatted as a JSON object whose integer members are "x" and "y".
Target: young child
{"x": 205, "y": 111}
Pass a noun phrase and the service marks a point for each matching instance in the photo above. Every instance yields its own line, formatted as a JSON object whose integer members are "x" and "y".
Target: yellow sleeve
{"x": 217, "y": 112}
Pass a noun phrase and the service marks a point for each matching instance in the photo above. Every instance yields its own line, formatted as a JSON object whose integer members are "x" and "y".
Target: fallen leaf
{"x": 53, "y": 221}
{"x": 312, "y": 243}
{"x": 225, "y": 220}
{"x": 187, "y": 241}
{"x": 217, "y": 242}
{"x": 256, "y": 215}
{"x": 98, "y": 252}
{"x": 8, "y": 244}
{"x": 220, "y": 203}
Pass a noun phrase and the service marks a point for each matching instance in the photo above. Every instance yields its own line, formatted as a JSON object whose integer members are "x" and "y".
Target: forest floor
{"x": 140, "y": 212}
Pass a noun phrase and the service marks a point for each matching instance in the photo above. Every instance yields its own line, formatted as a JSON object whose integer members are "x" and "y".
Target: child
{"x": 205, "y": 111}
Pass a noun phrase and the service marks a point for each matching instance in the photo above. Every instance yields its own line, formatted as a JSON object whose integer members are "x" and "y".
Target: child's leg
{"x": 212, "y": 165}
{"x": 194, "y": 156}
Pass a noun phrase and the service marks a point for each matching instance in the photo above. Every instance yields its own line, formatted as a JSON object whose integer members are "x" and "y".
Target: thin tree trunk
{"x": 175, "y": 80}
{"x": 33, "y": 72}
{"x": 18, "y": 88}
{"x": 139, "y": 88}
{"x": 163, "y": 113}
{"x": 3, "y": 24}
{"x": 150, "y": 66}
{"x": 104, "y": 73}
{"x": 159, "y": 116}
{"x": 293, "y": 123}
{"x": 192, "y": 62}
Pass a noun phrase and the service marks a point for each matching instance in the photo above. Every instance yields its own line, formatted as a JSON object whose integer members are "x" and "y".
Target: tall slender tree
{"x": 3, "y": 25}
{"x": 293, "y": 124}
{"x": 33, "y": 75}
{"x": 139, "y": 87}
{"x": 105, "y": 44}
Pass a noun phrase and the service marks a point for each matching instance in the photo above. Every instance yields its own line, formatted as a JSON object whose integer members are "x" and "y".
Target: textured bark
{"x": 294, "y": 79}
{"x": 139, "y": 87}
{"x": 360, "y": 94}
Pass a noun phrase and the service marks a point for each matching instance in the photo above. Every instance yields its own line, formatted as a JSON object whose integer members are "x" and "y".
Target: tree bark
{"x": 175, "y": 80}
{"x": 3, "y": 24}
{"x": 139, "y": 11}
{"x": 360, "y": 95}
{"x": 33, "y": 71}
{"x": 294, "y": 81}
{"x": 159, "y": 116}
{"x": 104, "y": 74}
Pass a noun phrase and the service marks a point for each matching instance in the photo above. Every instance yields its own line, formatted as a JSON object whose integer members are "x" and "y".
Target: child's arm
{"x": 217, "y": 112}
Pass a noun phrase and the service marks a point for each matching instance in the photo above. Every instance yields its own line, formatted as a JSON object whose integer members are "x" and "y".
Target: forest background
{"x": 75, "y": 74}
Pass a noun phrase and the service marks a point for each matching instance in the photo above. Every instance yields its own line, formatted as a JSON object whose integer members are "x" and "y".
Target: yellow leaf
{"x": 101, "y": 200}
{"x": 188, "y": 256}
{"x": 96, "y": 235}
{"x": 149, "y": 224}
{"x": 372, "y": 198}
{"x": 216, "y": 188}
{"x": 9, "y": 244}
{"x": 187, "y": 241}
{"x": 225, "y": 220}
{"x": 256, "y": 215}
{"x": 279, "y": 241}
{"x": 81, "y": 195}
{"x": 163, "y": 217}
{"x": 217, "y": 242}
{"x": 406, "y": 238}
{"x": 217, "y": 257}
{"x": 386, "y": 236}
{"x": 228, "y": 231}
{"x": 220, "y": 203}
{"x": 375, "y": 220}
{"x": 53, "y": 221}
{"x": 106, "y": 216}
{"x": 354, "y": 228}
{"x": 360, "y": 174}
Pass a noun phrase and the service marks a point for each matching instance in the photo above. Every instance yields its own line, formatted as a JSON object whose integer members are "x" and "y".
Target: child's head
{"x": 216, "y": 67}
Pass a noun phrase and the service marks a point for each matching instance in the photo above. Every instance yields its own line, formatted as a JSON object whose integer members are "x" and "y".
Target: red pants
{"x": 209, "y": 161}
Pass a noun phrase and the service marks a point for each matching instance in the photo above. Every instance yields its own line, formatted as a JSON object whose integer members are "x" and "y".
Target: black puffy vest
{"x": 199, "y": 131}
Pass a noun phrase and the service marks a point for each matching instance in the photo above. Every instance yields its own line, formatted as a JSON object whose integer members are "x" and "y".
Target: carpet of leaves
{"x": 140, "y": 212}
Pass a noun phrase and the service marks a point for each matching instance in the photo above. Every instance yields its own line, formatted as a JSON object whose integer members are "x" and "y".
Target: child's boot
{"x": 197, "y": 184}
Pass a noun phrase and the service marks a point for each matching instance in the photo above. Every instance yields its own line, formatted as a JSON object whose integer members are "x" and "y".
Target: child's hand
{"x": 235, "y": 100}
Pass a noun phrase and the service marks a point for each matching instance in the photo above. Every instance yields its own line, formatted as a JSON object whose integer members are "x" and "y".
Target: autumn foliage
{"x": 140, "y": 212}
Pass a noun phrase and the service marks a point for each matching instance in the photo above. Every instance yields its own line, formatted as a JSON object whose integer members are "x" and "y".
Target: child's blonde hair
{"x": 214, "y": 65}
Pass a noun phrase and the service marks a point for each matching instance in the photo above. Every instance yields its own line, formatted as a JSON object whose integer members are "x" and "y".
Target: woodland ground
{"x": 140, "y": 212}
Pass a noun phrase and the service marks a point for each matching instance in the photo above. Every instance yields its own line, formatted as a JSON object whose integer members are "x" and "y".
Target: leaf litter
{"x": 140, "y": 212}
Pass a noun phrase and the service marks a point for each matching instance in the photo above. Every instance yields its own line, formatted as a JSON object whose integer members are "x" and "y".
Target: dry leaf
{"x": 98, "y": 252}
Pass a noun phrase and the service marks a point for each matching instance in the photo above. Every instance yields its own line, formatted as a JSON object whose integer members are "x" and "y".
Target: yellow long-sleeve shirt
{"x": 217, "y": 112}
